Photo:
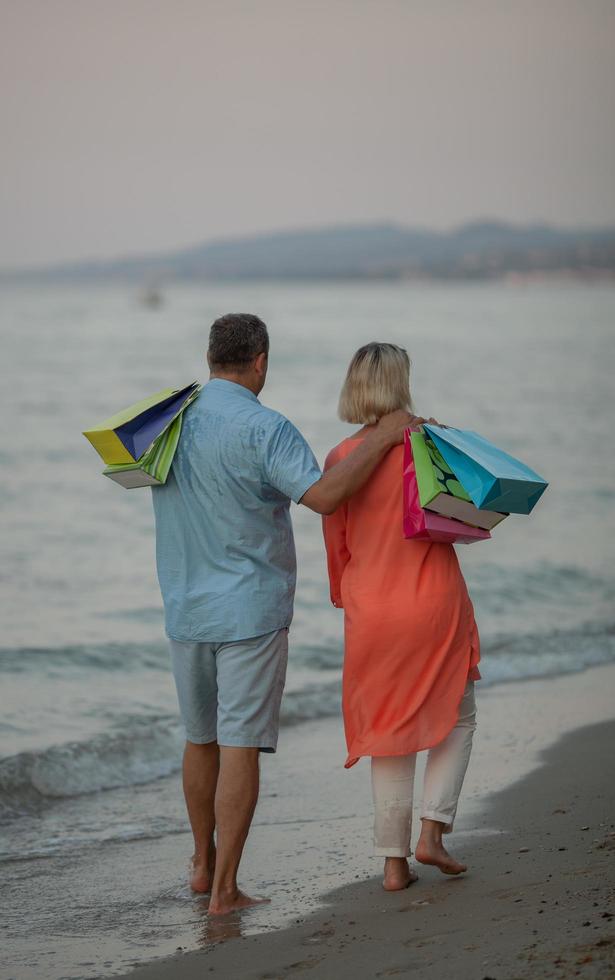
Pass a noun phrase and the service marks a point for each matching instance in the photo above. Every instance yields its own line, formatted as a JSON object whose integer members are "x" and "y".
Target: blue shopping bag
{"x": 137, "y": 434}
{"x": 491, "y": 477}
{"x": 127, "y": 435}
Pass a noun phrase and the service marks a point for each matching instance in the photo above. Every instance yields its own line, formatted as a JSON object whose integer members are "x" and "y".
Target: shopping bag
{"x": 126, "y": 436}
{"x": 492, "y": 477}
{"x": 154, "y": 466}
{"x": 425, "y": 525}
{"x": 440, "y": 490}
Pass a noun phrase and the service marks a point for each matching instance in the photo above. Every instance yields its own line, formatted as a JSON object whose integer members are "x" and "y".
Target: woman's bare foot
{"x": 397, "y": 874}
{"x": 234, "y": 901}
{"x": 434, "y": 852}
{"x": 201, "y": 875}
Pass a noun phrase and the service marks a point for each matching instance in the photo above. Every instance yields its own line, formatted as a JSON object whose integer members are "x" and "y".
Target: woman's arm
{"x": 338, "y": 555}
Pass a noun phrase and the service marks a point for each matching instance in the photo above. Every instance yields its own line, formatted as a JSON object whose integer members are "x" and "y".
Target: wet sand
{"x": 537, "y": 829}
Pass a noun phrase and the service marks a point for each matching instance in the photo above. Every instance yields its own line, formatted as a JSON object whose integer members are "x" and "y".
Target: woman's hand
{"x": 390, "y": 428}
{"x": 418, "y": 421}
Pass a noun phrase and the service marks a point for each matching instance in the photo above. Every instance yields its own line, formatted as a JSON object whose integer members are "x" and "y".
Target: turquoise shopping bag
{"x": 491, "y": 477}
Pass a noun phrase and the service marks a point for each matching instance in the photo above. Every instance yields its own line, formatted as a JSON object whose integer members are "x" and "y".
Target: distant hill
{"x": 480, "y": 251}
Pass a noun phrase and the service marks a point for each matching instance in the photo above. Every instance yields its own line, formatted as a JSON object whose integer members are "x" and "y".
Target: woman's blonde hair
{"x": 377, "y": 382}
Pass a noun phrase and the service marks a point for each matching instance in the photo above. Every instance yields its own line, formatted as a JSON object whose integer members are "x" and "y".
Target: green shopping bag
{"x": 154, "y": 466}
{"x": 441, "y": 492}
{"x": 126, "y": 436}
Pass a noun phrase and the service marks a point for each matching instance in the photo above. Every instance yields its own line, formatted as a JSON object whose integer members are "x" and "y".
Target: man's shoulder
{"x": 259, "y": 425}
{"x": 248, "y": 420}
{"x": 271, "y": 420}
{"x": 269, "y": 415}
{"x": 243, "y": 412}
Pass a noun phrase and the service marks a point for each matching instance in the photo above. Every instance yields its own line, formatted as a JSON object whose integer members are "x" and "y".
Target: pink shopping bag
{"x": 424, "y": 525}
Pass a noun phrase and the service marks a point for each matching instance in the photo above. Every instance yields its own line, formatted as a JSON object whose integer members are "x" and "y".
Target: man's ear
{"x": 260, "y": 364}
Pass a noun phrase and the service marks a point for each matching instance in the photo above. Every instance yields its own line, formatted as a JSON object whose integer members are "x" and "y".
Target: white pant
{"x": 393, "y": 784}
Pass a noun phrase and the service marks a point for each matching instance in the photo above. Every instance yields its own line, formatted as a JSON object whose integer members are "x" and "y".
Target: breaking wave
{"x": 145, "y": 748}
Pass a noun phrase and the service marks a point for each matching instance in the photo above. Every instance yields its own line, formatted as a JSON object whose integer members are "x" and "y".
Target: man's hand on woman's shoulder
{"x": 390, "y": 429}
{"x": 348, "y": 475}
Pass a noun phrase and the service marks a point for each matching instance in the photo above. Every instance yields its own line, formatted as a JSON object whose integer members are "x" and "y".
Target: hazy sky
{"x": 130, "y": 125}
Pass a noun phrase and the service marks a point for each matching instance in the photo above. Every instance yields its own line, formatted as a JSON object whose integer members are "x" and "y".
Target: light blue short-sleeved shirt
{"x": 225, "y": 550}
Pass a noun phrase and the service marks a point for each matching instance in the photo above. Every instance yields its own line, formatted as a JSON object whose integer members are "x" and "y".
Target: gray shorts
{"x": 230, "y": 693}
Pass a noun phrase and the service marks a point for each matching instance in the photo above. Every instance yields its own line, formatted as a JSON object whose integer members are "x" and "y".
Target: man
{"x": 226, "y": 566}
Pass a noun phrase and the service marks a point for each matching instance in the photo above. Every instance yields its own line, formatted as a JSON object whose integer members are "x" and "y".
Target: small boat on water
{"x": 151, "y": 297}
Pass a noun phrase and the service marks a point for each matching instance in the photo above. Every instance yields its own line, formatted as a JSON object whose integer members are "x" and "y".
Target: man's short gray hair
{"x": 235, "y": 340}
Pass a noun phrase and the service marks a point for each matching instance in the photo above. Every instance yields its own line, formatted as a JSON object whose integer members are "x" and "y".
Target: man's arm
{"x": 349, "y": 475}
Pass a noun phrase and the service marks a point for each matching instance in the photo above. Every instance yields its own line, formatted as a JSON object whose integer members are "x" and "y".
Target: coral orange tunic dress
{"x": 410, "y": 638}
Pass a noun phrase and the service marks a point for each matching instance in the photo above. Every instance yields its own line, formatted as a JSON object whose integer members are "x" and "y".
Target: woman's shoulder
{"x": 342, "y": 449}
{"x": 350, "y": 443}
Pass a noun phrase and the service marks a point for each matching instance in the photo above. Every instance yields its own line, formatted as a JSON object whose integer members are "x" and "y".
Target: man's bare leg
{"x": 200, "y": 774}
{"x": 236, "y": 798}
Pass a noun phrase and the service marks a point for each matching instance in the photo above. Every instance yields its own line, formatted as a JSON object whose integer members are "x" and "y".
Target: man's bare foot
{"x": 434, "y": 852}
{"x": 397, "y": 874}
{"x": 201, "y": 875}
{"x": 233, "y": 901}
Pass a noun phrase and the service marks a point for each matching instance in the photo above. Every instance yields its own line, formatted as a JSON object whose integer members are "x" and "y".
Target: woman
{"x": 411, "y": 643}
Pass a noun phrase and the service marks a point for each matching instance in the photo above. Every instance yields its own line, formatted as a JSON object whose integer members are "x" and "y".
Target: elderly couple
{"x": 226, "y": 566}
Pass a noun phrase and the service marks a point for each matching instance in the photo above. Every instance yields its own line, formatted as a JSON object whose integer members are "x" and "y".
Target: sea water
{"x": 89, "y": 727}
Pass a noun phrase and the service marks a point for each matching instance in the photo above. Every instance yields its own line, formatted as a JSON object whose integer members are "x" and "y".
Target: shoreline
{"x": 534, "y": 780}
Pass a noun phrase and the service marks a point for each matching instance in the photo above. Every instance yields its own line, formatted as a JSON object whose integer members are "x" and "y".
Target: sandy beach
{"x": 537, "y": 828}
